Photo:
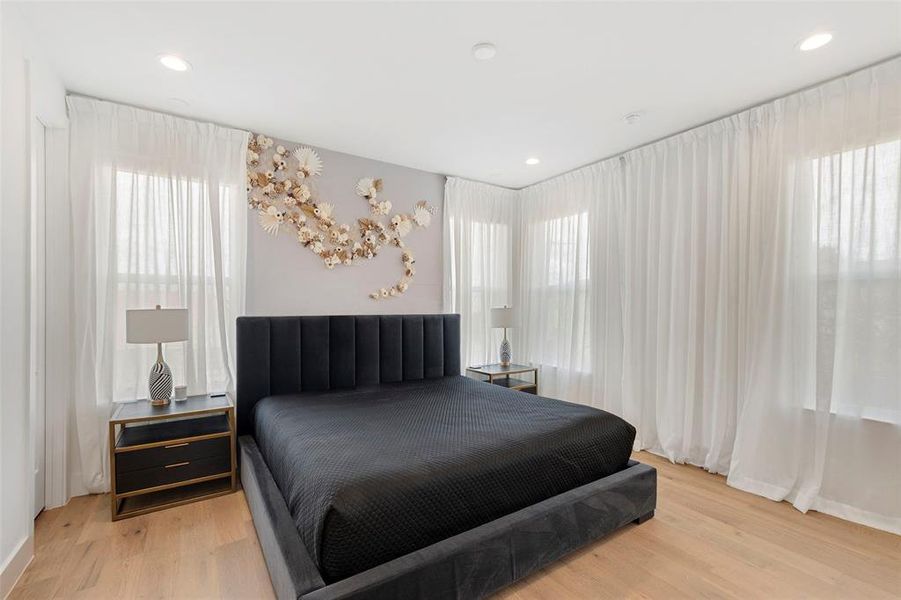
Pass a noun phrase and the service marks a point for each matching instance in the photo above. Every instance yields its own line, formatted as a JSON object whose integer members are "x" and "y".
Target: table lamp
{"x": 157, "y": 326}
{"x": 503, "y": 317}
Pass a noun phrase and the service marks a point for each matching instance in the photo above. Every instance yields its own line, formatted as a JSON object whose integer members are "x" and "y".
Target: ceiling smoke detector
{"x": 484, "y": 51}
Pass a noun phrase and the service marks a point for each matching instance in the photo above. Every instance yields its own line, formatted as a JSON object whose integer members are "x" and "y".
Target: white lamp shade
{"x": 503, "y": 317}
{"x": 154, "y": 326}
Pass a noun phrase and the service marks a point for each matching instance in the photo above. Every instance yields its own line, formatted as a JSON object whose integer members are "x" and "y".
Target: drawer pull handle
{"x": 176, "y": 445}
{"x": 181, "y": 464}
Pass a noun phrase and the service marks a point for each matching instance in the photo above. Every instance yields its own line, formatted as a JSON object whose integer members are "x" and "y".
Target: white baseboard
{"x": 15, "y": 565}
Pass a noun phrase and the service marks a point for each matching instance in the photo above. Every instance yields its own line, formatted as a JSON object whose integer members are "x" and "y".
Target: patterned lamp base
{"x": 505, "y": 353}
{"x": 160, "y": 384}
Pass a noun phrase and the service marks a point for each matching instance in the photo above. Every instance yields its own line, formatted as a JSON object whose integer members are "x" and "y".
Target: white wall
{"x": 28, "y": 89}
{"x": 284, "y": 278}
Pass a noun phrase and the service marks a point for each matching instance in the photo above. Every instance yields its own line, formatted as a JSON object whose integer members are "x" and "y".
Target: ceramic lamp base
{"x": 505, "y": 353}
{"x": 160, "y": 384}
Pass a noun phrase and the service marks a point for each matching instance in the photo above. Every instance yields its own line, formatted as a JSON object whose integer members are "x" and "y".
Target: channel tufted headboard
{"x": 284, "y": 355}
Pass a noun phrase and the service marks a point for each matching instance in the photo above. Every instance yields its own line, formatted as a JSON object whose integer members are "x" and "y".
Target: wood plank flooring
{"x": 706, "y": 541}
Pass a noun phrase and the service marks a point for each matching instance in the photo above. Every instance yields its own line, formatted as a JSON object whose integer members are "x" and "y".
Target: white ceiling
{"x": 397, "y": 82}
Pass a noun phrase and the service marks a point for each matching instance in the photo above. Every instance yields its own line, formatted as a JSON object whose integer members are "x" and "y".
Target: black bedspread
{"x": 372, "y": 474}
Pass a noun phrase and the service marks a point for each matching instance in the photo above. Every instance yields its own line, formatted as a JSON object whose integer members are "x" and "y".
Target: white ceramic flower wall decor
{"x": 281, "y": 188}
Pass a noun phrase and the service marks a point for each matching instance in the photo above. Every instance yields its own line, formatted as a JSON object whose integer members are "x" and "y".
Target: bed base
{"x": 473, "y": 564}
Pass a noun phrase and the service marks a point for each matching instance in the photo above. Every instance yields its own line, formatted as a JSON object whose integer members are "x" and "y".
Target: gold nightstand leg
{"x": 114, "y": 504}
{"x": 233, "y": 428}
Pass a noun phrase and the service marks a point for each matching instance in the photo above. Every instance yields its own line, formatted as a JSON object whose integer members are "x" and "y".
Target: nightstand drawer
{"x": 176, "y": 452}
{"x": 172, "y": 473}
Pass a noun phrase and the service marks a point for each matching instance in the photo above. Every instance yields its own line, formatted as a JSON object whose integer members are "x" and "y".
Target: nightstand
{"x": 163, "y": 456}
{"x": 499, "y": 375}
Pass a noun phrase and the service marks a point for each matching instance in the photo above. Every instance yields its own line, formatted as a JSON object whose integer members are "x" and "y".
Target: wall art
{"x": 281, "y": 189}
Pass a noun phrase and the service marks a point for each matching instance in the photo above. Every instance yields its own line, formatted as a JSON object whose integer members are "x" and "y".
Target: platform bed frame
{"x": 473, "y": 564}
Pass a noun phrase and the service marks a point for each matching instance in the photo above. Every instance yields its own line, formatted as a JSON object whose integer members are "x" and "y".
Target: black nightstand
{"x": 499, "y": 375}
{"x": 162, "y": 456}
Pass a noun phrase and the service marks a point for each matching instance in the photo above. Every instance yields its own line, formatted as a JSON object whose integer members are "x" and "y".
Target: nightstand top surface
{"x": 497, "y": 369}
{"x": 142, "y": 410}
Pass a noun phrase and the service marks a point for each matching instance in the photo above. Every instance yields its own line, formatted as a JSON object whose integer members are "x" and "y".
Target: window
{"x": 858, "y": 280}
{"x": 164, "y": 254}
{"x": 480, "y": 252}
{"x": 490, "y": 247}
{"x": 557, "y": 288}
{"x": 857, "y": 211}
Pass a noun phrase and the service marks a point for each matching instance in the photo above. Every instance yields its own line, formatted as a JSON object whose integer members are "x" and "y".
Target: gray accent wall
{"x": 284, "y": 278}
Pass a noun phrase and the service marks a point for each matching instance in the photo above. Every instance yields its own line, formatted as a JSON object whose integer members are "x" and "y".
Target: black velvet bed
{"x": 374, "y": 470}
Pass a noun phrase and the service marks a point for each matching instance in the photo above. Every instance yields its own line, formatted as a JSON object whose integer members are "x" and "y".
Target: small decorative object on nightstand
{"x": 156, "y": 326}
{"x": 502, "y": 375}
{"x": 170, "y": 455}
{"x": 503, "y": 317}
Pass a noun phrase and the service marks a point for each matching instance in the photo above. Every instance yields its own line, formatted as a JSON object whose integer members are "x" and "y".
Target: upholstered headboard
{"x": 283, "y": 355}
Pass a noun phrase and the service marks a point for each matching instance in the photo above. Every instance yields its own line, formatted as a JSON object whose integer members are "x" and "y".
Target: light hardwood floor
{"x": 706, "y": 541}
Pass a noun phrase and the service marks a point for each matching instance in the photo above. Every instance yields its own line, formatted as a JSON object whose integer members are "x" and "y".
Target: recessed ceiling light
{"x": 532, "y": 161}
{"x": 176, "y": 63}
{"x": 632, "y": 118}
{"x": 817, "y": 40}
{"x": 484, "y": 51}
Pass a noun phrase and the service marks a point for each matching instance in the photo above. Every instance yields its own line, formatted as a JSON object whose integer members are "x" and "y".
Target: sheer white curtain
{"x": 158, "y": 217}
{"x": 684, "y": 257}
{"x": 478, "y": 262}
{"x": 742, "y": 305}
{"x": 554, "y": 294}
{"x": 820, "y": 424}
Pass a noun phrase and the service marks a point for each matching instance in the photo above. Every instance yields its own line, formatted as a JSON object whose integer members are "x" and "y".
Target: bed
{"x": 373, "y": 469}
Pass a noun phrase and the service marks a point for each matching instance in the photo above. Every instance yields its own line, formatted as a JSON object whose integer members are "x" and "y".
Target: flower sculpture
{"x": 280, "y": 187}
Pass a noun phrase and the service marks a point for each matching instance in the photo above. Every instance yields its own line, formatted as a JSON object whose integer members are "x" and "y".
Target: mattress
{"x": 372, "y": 474}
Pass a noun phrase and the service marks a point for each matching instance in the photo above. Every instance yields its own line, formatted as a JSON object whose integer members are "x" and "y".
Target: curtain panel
{"x": 478, "y": 256}
{"x": 735, "y": 292}
{"x": 158, "y": 217}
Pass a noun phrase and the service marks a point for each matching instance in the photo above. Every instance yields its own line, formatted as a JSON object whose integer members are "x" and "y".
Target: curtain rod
{"x": 155, "y": 110}
{"x": 582, "y": 166}
{"x": 622, "y": 153}
{"x": 250, "y": 131}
